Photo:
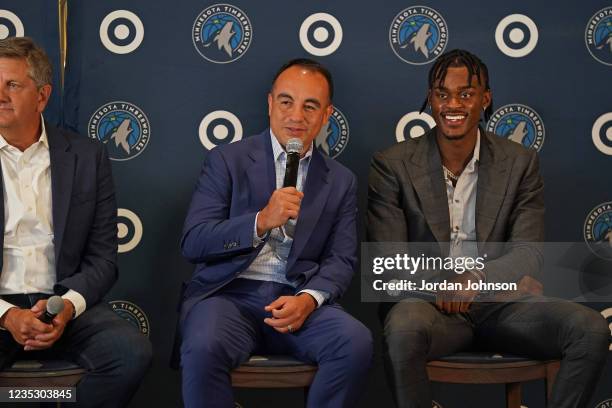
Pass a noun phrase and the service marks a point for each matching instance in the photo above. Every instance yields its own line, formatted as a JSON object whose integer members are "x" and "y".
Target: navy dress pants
{"x": 224, "y": 330}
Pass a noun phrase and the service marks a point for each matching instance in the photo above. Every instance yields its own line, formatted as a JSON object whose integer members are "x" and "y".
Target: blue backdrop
{"x": 162, "y": 84}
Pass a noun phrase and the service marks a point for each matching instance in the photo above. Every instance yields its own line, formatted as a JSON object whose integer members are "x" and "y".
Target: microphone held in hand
{"x": 294, "y": 148}
{"x": 55, "y": 305}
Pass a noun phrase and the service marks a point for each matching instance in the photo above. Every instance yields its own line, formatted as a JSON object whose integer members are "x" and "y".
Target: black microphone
{"x": 55, "y": 305}
{"x": 294, "y": 148}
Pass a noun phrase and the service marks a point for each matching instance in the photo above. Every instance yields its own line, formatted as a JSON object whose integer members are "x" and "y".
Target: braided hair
{"x": 460, "y": 58}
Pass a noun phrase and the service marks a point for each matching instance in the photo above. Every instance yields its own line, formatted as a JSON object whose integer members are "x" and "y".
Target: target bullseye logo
{"x": 10, "y": 25}
{"x": 321, "y": 34}
{"x": 516, "y": 35}
{"x": 602, "y": 133}
{"x": 219, "y": 127}
{"x": 121, "y": 32}
{"x": 413, "y": 125}
{"x": 129, "y": 230}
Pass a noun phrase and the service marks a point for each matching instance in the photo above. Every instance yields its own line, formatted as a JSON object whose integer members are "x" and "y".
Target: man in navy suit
{"x": 273, "y": 261}
{"x": 59, "y": 237}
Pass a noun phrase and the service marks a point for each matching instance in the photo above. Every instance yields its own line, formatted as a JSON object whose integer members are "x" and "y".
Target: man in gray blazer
{"x": 466, "y": 189}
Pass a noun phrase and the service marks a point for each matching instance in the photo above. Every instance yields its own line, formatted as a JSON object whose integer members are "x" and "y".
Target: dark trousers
{"x": 222, "y": 331}
{"x": 541, "y": 328}
{"x": 115, "y": 355}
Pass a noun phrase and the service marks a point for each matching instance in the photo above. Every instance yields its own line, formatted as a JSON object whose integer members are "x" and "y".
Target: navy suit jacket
{"x": 84, "y": 215}
{"x": 236, "y": 182}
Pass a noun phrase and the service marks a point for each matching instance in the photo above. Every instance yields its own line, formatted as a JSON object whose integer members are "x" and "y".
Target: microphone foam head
{"x": 55, "y": 305}
{"x": 294, "y": 145}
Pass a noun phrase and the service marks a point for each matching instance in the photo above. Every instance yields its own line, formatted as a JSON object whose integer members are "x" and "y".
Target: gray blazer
{"x": 407, "y": 202}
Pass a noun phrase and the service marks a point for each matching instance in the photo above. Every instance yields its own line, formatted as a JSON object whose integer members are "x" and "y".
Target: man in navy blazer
{"x": 59, "y": 237}
{"x": 273, "y": 261}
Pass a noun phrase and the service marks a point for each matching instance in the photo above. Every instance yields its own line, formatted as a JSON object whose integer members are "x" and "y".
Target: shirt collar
{"x": 475, "y": 155}
{"x": 42, "y": 138}
{"x": 279, "y": 151}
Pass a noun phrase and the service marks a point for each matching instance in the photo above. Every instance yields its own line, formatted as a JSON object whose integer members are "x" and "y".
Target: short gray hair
{"x": 40, "y": 69}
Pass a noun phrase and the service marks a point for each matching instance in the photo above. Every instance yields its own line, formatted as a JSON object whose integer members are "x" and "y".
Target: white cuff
{"x": 257, "y": 240}
{"x": 319, "y": 295}
{"x": 78, "y": 301}
{"x": 4, "y": 307}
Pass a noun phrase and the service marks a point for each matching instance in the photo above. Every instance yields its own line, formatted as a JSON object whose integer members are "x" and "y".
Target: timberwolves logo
{"x": 598, "y": 36}
{"x": 132, "y": 313}
{"x": 129, "y": 230}
{"x": 219, "y": 127}
{"x": 121, "y": 32}
{"x": 332, "y": 139}
{"x": 604, "y": 404}
{"x": 598, "y": 230}
{"x": 413, "y": 125}
{"x": 418, "y": 35}
{"x": 122, "y": 127}
{"x": 10, "y": 25}
{"x": 518, "y": 123}
{"x": 516, "y": 35}
{"x": 321, "y": 34}
{"x": 222, "y": 33}
{"x": 602, "y": 133}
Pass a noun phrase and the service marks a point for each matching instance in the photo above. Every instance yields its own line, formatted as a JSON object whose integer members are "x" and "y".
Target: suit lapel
{"x": 316, "y": 192}
{"x": 424, "y": 168}
{"x": 493, "y": 174}
{"x": 261, "y": 173}
{"x": 62, "y": 177}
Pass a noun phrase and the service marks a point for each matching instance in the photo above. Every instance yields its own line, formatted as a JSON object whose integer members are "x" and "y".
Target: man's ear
{"x": 486, "y": 99}
{"x": 328, "y": 111}
{"x": 44, "y": 93}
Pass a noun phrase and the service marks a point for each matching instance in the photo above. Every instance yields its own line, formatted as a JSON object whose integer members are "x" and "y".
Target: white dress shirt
{"x": 28, "y": 254}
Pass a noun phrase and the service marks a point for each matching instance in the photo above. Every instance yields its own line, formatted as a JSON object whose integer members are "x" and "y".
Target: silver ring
{"x": 289, "y": 328}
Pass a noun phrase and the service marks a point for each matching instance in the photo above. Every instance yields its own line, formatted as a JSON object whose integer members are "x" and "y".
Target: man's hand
{"x": 45, "y": 340}
{"x": 456, "y": 301}
{"x": 23, "y": 324}
{"x": 283, "y": 204}
{"x": 290, "y": 311}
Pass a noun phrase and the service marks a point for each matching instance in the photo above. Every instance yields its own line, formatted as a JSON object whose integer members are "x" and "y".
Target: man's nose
{"x": 4, "y": 95}
{"x": 454, "y": 102}
{"x": 296, "y": 114}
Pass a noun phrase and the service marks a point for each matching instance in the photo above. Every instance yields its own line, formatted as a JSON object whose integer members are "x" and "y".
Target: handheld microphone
{"x": 294, "y": 148}
{"x": 55, "y": 305}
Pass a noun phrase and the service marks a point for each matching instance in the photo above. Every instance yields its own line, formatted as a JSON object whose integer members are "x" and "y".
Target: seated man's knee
{"x": 354, "y": 345}
{"x": 136, "y": 354}
{"x": 360, "y": 342}
{"x": 202, "y": 350}
{"x": 589, "y": 329}
{"x": 406, "y": 329}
